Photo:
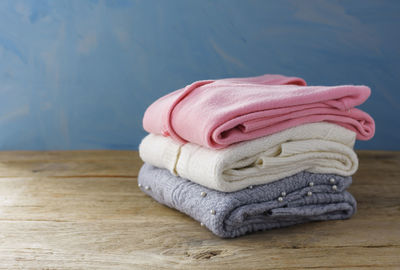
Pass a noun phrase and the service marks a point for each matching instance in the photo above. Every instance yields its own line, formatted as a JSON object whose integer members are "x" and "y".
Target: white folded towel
{"x": 317, "y": 148}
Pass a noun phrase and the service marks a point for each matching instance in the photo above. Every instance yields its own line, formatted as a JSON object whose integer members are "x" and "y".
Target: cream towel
{"x": 317, "y": 148}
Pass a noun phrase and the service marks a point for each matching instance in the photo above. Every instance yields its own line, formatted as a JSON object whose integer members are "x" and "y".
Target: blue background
{"x": 79, "y": 74}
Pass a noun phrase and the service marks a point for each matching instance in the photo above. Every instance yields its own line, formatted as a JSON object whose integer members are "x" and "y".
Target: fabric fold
{"x": 317, "y": 148}
{"x": 218, "y": 113}
{"x": 293, "y": 200}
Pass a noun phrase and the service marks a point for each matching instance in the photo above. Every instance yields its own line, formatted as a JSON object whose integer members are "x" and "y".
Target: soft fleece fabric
{"x": 255, "y": 209}
{"x": 317, "y": 147}
{"x": 218, "y": 113}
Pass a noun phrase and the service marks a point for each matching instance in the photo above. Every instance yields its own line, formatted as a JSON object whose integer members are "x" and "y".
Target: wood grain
{"x": 83, "y": 210}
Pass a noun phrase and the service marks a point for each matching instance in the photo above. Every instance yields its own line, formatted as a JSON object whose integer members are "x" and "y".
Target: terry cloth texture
{"x": 259, "y": 208}
{"x": 317, "y": 147}
{"x": 218, "y": 113}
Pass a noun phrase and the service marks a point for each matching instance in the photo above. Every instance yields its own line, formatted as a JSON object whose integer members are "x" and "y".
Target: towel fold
{"x": 307, "y": 197}
{"x": 218, "y": 113}
{"x": 317, "y": 147}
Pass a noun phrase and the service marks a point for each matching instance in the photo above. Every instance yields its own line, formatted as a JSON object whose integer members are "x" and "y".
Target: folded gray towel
{"x": 300, "y": 198}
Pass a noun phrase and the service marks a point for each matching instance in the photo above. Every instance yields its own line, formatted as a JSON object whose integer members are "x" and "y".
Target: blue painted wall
{"x": 79, "y": 74}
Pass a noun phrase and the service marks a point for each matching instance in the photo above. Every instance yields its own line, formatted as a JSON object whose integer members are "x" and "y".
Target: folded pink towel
{"x": 218, "y": 113}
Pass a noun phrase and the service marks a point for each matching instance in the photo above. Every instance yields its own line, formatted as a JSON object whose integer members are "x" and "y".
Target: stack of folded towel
{"x": 248, "y": 154}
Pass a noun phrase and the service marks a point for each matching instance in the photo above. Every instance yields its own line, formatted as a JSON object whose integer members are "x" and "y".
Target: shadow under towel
{"x": 292, "y": 200}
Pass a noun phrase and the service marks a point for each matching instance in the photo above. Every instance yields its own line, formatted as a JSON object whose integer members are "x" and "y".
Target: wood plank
{"x": 83, "y": 210}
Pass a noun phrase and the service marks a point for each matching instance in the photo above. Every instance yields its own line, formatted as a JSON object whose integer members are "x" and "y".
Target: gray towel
{"x": 300, "y": 198}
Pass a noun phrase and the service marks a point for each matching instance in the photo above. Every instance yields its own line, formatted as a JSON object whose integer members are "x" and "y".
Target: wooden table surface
{"x": 83, "y": 210}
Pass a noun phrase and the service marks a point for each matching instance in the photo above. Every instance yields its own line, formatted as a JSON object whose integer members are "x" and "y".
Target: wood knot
{"x": 206, "y": 255}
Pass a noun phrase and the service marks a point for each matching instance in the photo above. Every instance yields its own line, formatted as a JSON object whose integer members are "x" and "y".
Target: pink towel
{"x": 218, "y": 113}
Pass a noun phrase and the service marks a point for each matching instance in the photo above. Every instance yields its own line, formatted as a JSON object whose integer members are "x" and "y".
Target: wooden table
{"x": 83, "y": 210}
